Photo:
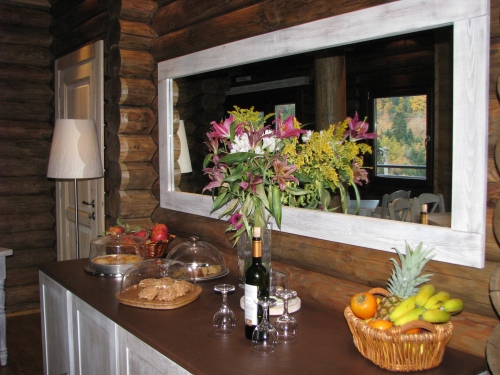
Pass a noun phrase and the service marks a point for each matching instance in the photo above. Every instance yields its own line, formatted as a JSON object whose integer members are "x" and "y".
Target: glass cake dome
{"x": 112, "y": 255}
{"x": 204, "y": 259}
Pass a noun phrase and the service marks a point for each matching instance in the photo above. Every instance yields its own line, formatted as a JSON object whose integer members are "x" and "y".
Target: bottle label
{"x": 250, "y": 305}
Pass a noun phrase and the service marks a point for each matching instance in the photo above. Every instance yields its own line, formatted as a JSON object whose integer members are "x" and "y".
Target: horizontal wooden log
{"x": 26, "y": 203}
{"x": 28, "y": 240}
{"x": 24, "y": 16}
{"x": 26, "y": 92}
{"x": 179, "y": 14}
{"x": 129, "y": 204}
{"x": 25, "y": 55}
{"x": 272, "y": 15}
{"x": 59, "y": 8}
{"x": 24, "y": 167}
{"x": 76, "y": 16}
{"x": 13, "y": 34}
{"x": 133, "y": 10}
{"x": 25, "y": 73}
{"x": 26, "y": 222}
{"x": 26, "y": 130}
{"x": 155, "y": 189}
{"x": 364, "y": 266}
{"x": 129, "y": 120}
{"x": 30, "y": 257}
{"x": 125, "y": 147}
{"x": 26, "y": 111}
{"x": 21, "y": 276}
{"x": 26, "y": 185}
{"x": 130, "y": 91}
{"x": 131, "y": 175}
{"x": 130, "y": 63}
{"x": 130, "y": 35}
{"x": 22, "y": 294}
{"x": 83, "y": 34}
{"x": 21, "y": 149}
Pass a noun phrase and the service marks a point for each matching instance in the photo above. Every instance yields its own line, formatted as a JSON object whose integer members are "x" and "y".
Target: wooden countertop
{"x": 184, "y": 335}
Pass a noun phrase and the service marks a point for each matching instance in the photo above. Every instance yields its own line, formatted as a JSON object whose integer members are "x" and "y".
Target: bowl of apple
{"x": 157, "y": 243}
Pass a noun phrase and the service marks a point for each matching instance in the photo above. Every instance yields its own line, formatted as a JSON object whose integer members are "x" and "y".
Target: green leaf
{"x": 297, "y": 191}
{"x": 233, "y": 177}
{"x": 207, "y": 160}
{"x": 303, "y": 179}
{"x": 277, "y": 205}
{"x": 358, "y": 198}
{"x": 237, "y": 157}
{"x": 324, "y": 198}
{"x": 261, "y": 194}
{"x": 221, "y": 200}
{"x": 230, "y": 209}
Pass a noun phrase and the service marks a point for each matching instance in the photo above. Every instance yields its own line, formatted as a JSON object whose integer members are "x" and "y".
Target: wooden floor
{"x": 24, "y": 345}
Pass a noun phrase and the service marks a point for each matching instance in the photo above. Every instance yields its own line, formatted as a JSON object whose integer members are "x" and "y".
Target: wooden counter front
{"x": 184, "y": 335}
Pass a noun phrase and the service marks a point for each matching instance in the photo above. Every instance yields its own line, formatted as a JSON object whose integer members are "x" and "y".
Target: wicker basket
{"x": 392, "y": 350}
{"x": 157, "y": 249}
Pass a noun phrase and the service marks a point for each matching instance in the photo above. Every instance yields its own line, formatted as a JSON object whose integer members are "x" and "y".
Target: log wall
{"x": 26, "y": 112}
{"x": 329, "y": 272}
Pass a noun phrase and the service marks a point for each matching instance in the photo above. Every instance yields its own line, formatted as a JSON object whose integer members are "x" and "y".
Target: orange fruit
{"x": 364, "y": 305}
{"x": 380, "y": 324}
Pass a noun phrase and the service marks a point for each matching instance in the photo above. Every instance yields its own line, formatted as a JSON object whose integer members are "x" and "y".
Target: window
{"x": 403, "y": 135}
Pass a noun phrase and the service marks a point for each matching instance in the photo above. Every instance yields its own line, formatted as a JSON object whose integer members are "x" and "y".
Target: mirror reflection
{"x": 402, "y": 85}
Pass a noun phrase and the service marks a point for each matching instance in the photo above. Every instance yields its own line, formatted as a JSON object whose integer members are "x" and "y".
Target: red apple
{"x": 117, "y": 229}
{"x": 159, "y": 227}
{"x": 158, "y": 235}
{"x": 142, "y": 233}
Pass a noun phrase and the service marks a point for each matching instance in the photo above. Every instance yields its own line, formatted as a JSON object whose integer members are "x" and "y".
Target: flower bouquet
{"x": 249, "y": 169}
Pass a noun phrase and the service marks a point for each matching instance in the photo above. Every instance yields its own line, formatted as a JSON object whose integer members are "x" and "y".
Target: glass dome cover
{"x": 112, "y": 255}
{"x": 155, "y": 269}
{"x": 203, "y": 258}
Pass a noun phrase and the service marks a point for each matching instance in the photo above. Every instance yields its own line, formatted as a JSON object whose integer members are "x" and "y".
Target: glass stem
{"x": 285, "y": 307}
{"x": 224, "y": 300}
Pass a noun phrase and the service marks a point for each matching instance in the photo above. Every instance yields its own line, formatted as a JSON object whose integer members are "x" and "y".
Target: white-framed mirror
{"x": 461, "y": 244}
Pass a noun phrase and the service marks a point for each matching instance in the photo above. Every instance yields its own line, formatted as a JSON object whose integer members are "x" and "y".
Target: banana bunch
{"x": 427, "y": 305}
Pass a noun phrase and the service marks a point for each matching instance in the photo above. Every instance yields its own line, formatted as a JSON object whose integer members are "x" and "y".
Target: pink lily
{"x": 360, "y": 174}
{"x": 358, "y": 129}
{"x": 221, "y": 130}
{"x": 285, "y": 129}
{"x": 251, "y": 182}
{"x": 283, "y": 172}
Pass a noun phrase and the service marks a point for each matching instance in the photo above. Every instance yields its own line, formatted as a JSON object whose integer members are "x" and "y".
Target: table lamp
{"x": 75, "y": 155}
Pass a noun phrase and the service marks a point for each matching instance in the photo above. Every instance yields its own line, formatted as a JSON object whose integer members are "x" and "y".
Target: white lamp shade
{"x": 74, "y": 153}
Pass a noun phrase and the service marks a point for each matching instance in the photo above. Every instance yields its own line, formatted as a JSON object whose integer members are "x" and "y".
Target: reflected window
{"x": 401, "y": 124}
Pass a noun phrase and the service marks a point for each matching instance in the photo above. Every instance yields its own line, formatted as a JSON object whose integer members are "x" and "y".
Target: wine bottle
{"x": 256, "y": 285}
{"x": 424, "y": 218}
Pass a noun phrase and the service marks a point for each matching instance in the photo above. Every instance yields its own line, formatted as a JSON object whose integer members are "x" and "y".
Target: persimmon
{"x": 380, "y": 324}
{"x": 364, "y": 305}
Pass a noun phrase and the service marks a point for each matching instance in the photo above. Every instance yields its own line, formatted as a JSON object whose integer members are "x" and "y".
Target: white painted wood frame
{"x": 464, "y": 242}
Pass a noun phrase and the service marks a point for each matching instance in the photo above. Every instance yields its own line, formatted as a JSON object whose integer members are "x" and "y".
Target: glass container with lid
{"x": 203, "y": 258}
{"x": 112, "y": 255}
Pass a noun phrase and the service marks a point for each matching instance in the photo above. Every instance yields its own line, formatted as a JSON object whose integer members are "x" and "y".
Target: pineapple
{"x": 405, "y": 279}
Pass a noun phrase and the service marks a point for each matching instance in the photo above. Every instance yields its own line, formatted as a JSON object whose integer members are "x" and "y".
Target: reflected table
{"x": 366, "y": 207}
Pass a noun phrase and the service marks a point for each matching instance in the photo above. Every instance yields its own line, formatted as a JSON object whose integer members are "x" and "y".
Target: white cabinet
{"x": 136, "y": 357}
{"x": 57, "y": 346}
{"x": 93, "y": 340}
{"x": 79, "y": 340}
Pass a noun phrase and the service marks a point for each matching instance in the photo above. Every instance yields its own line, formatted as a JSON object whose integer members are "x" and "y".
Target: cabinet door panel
{"x": 136, "y": 357}
{"x": 56, "y": 327}
{"x": 94, "y": 340}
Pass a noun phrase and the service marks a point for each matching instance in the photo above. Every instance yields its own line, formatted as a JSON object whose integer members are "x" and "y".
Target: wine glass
{"x": 224, "y": 319}
{"x": 286, "y": 326}
{"x": 265, "y": 337}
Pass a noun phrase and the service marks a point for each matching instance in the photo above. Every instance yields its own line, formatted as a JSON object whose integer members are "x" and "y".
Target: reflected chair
{"x": 388, "y": 198}
{"x": 402, "y": 209}
{"x": 433, "y": 201}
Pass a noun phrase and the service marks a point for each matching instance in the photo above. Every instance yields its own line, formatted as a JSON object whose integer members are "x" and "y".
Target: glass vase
{"x": 244, "y": 248}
